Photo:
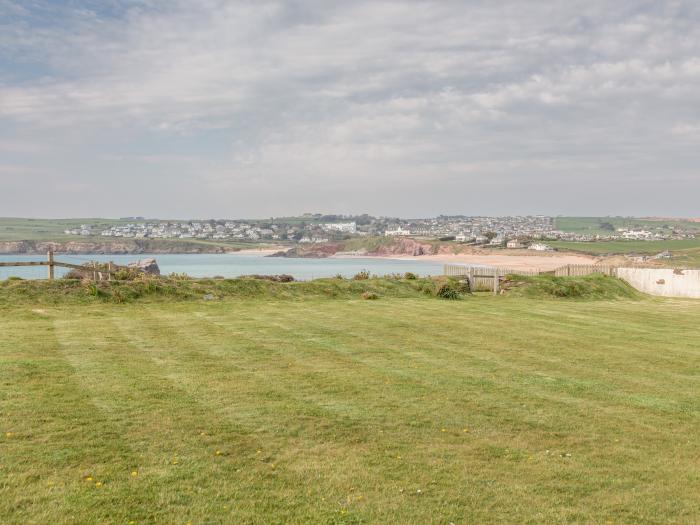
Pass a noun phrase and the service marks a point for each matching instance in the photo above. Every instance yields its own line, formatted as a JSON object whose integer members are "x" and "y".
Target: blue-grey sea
{"x": 234, "y": 265}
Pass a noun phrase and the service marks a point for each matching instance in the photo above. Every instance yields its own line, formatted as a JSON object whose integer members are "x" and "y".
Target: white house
{"x": 397, "y": 232}
{"x": 514, "y": 244}
{"x": 344, "y": 227}
{"x": 539, "y": 247}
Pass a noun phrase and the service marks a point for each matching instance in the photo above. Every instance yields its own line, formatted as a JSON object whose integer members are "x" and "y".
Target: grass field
{"x": 319, "y": 410}
{"x": 22, "y": 229}
{"x": 622, "y": 247}
{"x": 591, "y": 225}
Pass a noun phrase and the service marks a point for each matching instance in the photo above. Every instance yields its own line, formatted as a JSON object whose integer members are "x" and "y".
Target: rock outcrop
{"x": 149, "y": 266}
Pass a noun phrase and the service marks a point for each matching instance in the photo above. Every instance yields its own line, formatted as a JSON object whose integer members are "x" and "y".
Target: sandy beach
{"x": 260, "y": 251}
{"x": 518, "y": 262}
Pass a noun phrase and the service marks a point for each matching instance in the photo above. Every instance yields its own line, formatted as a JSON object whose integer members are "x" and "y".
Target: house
{"x": 663, "y": 255}
{"x": 539, "y": 247}
{"x": 343, "y": 227}
{"x": 397, "y": 232}
{"x": 496, "y": 241}
{"x": 514, "y": 244}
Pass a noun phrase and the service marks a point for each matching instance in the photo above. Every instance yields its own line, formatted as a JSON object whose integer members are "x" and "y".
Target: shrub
{"x": 410, "y": 276}
{"x": 73, "y": 274}
{"x": 179, "y": 276}
{"x": 14, "y": 278}
{"x": 361, "y": 276}
{"x": 339, "y": 276}
{"x": 463, "y": 286}
{"x": 369, "y": 296}
{"x": 283, "y": 278}
{"x": 447, "y": 290}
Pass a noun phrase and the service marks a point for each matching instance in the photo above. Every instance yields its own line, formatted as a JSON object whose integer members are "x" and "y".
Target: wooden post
{"x": 472, "y": 283}
{"x": 495, "y": 281}
{"x": 109, "y": 267}
{"x": 94, "y": 271}
{"x": 50, "y": 261}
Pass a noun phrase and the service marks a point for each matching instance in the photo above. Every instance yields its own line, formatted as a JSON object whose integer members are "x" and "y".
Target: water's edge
{"x": 234, "y": 265}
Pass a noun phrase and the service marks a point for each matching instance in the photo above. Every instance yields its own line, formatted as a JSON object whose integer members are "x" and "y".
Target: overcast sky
{"x": 208, "y": 108}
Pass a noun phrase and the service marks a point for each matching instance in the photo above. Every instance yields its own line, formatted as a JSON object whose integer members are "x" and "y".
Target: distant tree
{"x": 490, "y": 235}
{"x": 607, "y": 226}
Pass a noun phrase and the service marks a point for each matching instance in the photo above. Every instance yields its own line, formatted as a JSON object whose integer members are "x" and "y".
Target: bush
{"x": 283, "y": 278}
{"x": 179, "y": 276}
{"x": 447, "y": 290}
{"x": 73, "y": 274}
{"x": 410, "y": 276}
{"x": 369, "y": 296}
{"x": 14, "y": 278}
{"x": 361, "y": 276}
{"x": 448, "y": 238}
{"x": 463, "y": 286}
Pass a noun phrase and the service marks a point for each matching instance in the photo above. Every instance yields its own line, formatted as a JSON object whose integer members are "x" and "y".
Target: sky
{"x": 412, "y": 108}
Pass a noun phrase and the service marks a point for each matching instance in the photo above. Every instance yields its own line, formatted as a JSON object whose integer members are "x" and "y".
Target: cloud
{"x": 409, "y": 96}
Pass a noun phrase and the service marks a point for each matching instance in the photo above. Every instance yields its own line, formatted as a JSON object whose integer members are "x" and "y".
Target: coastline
{"x": 516, "y": 261}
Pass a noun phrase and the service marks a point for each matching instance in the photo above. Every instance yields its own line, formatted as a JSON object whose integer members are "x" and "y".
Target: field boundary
{"x": 99, "y": 273}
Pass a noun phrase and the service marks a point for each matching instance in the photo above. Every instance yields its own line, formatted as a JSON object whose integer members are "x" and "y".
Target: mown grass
{"x": 625, "y": 247}
{"x": 318, "y": 410}
{"x": 592, "y": 225}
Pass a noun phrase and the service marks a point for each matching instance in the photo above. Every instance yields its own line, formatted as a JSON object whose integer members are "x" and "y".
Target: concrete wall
{"x": 666, "y": 282}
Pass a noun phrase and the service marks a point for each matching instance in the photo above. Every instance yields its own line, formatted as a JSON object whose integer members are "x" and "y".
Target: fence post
{"x": 94, "y": 271}
{"x": 109, "y": 268}
{"x": 496, "y": 271}
{"x": 49, "y": 256}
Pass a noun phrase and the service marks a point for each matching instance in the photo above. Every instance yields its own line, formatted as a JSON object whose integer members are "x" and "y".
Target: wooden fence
{"x": 98, "y": 272}
{"x": 580, "y": 270}
{"x": 483, "y": 278}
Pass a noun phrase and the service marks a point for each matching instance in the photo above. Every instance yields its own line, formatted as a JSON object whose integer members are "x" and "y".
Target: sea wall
{"x": 664, "y": 282}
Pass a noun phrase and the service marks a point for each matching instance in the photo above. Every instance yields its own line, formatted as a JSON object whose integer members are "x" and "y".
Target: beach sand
{"x": 544, "y": 262}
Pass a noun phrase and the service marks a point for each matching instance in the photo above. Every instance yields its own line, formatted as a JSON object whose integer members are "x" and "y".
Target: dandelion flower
{"x": 98, "y": 483}
{"x": 134, "y": 473}
{"x": 174, "y": 461}
{"x": 443, "y": 430}
{"x": 218, "y": 452}
{"x": 89, "y": 478}
{"x": 8, "y": 434}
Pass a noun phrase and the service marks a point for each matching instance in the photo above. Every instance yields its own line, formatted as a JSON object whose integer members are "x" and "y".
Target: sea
{"x": 234, "y": 265}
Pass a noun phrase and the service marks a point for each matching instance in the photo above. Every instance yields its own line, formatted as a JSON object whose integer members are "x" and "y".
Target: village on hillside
{"x": 514, "y": 232}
